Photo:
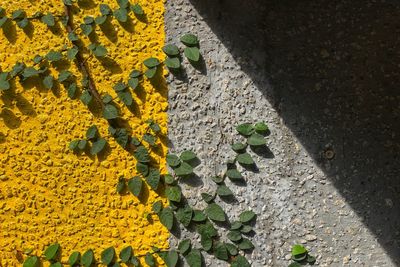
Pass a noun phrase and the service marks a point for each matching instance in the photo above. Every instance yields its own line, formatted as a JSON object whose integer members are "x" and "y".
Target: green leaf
{"x": 4, "y": 85}
{"x": 173, "y": 193}
{"x": 23, "y": 23}
{"x": 199, "y": 216}
{"x": 142, "y": 168}
{"x": 236, "y": 225}
{"x": 221, "y": 252}
{"x": 232, "y": 249}
{"x": 157, "y": 207}
{"x": 48, "y": 20}
{"x": 311, "y": 259}
{"x": 82, "y": 144}
{"x": 190, "y": 39}
{"x": 215, "y": 212}
{"x": 135, "y": 185}
{"x": 92, "y": 132}
{"x": 153, "y": 179}
{"x": 98, "y": 50}
{"x": 73, "y": 145}
{"x": 99, "y": 20}
{"x": 137, "y": 10}
{"x": 54, "y": 56}
{"x": 261, "y": 128}
{"x": 238, "y": 147}
{"x": 98, "y": 146}
{"x": 151, "y": 62}
{"x": 245, "y": 244}
{"x": 240, "y": 261}
{"x": 125, "y": 254}
{"x": 169, "y": 179}
{"x": 256, "y": 140}
{"x": 246, "y": 229}
{"x": 64, "y": 75}
{"x": 121, "y": 185}
{"x": 172, "y": 63}
{"x": 17, "y": 68}
{"x": 37, "y": 59}
{"x": 167, "y": 217}
{"x": 234, "y": 174}
{"x": 295, "y": 264}
{"x": 150, "y": 139}
{"x": 171, "y": 50}
{"x": 107, "y": 99}
{"x": 149, "y": 259}
{"x": 194, "y": 258}
{"x": 32, "y": 261}
{"x": 72, "y": 52}
{"x": 135, "y": 261}
{"x": 173, "y": 160}
{"x": 86, "y": 97}
{"x": 87, "y": 259}
{"x": 218, "y": 179}
{"x": 154, "y": 126}
{"x": 188, "y": 155}
{"x": 172, "y": 258}
{"x": 121, "y": 14}
{"x": 88, "y": 20}
{"x": 87, "y": 29}
{"x": 247, "y": 216}
{"x": 123, "y": 3}
{"x": 298, "y": 250}
{"x": 125, "y": 97}
{"x": 150, "y": 73}
{"x": 68, "y": 2}
{"x": 122, "y": 137}
{"x": 206, "y": 242}
{"x": 245, "y": 129}
{"x": 184, "y": 169}
{"x": 110, "y": 112}
{"x": 105, "y": 10}
{"x": 133, "y": 83}
{"x": 107, "y": 255}
{"x": 74, "y": 258}
{"x": 224, "y": 191}
{"x": 184, "y": 246}
{"x": 207, "y": 229}
{"x": 120, "y": 86}
{"x": 192, "y": 53}
{"x": 18, "y": 14}
{"x": 73, "y": 37}
{"x": 135, "y": 74}
{"x": 245, "y": 159}
{"x": 207, "y": 197}
{"x": 234, "y": 236}
{"x": 184, "y": 215}
{"x": 141, "y": 154}
{"x": 51, "y": 252}
{"x": 3, "y": 21}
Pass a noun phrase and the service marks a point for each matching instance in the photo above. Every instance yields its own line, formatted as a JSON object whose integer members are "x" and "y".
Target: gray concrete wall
{"x": 325, "y": 77}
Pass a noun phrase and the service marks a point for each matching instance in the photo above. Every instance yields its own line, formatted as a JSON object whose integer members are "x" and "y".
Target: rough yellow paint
{"x": 47, "y": 193}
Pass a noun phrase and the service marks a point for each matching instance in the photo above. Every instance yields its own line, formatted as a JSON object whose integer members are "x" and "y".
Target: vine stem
{"x": 79, "y": 58}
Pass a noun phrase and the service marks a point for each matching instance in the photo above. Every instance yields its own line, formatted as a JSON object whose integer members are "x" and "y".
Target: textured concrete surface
{"x": 48, "y": 194}
{"x": 324, "y": 76}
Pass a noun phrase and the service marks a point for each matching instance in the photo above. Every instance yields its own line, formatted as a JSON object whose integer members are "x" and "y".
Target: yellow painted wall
{"x": 47, "y": 193}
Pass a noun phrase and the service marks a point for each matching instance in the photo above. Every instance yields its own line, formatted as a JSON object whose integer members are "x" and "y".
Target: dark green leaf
{"x": 108, "y": 255}
{"x": 37, "y": 59}
{"x": 238, "y": 147}
{"x": 105, "y": 10}
{"x": 29, "y": 72}
{"x": 167, "y": 217}
{"x": 52, "y": 251}
{"x": 150, "y": 73}
{"x": 190, "y": 39}
{"x": 141, "y": 154}
{"x": 215, "y": 212}
{"x": 235, "y": 236}
{"x": 121, "y": 14}
{"x": 184, "y": 169}
{"x": 74, "y": 258}
{"x": 82, "y": 144}
{"x": 153, "y": 179}
{"x": 245, "y": 159}
{"x": 218, "y": 179}
{"x": 135, "y": 74}
{"x": 110, "y": 112}
{"x": 224, "y": 191}
{"x": 88, "y": 20}
{"x": 247, "y": 216}
{"x": 92, "y": 132}
{"x": 256, "y": 140}
{"x": 23, "y": 23}
{"x": 54, "y": 56}
{"x": 137, "y": 10}
{"x": 240, "y": 261}
{"x": 157, "y": 206}
{"x": 68, "y": 2}
{"x": 133, "y": 83}
{"x": 150, "y": 139}
{"x": 126, "y": 254}
{"x": 87, "y": 258}
{"x": 169, "y": 179}
{"x": 261, "y": 128}
{"x": 64, "y": 75}
{"x": 135, "y": 185}
{"x": 3, "y": 21}
{"x": 107, "y": 99}
{"x": 17, "y": 68}
{"x": 198, "y": 216}
{"x": 246, "y": 229}
{"x": 98, "y": 50}
{"x": 311, "y": 259}
{"x": 184, "y": 246}
{"x": 72, "y": 52}
{"x": 98, "y": 146}
{"x": 18, "y": 14}
{"x": 122, "y": 137}
{"x": 142, "y": 168}
{"x": 207, "y": 229}
{"x": 73, "y": 37}
{"x": 32, "y": 261}
{"x": 48, "y": 20}
{"x": 73, "y": 145}
{"x": 172, "y": 258}
{"x": 149, "y": 259}
{"x": 192, "y": 53}
{"x": 86, "y": 97}
{"x": 206, "y": 242}
{"x": 194, "y": 258}
{"x": 135, "y": 261}
{"x": 207, "y": 197}
{"x": 171, "y": 50}
{"x": 4, "y": 85}
{"x": 125, "y": 97}
{"x": 295, "y": 264}
{"x": 173, "y": 160}
{"x": 120, "y": 86}
{"x": 100, "y": 20}
{"x": 173, "y": 193}
{"x": 184, "y": 215}
{"x": 234, "y": 174}
{"x": 154, "y": 126}
{"x": 151, "y": 62}
{"x": 172, "y": 63}
{"x": 236, "y": 225}
{"x": 221, "y": 252}
{"x": 245, "y": 244}
{"x": 232, "y": 249}
{"x": 123, "y": 3}
{"x": 87, "y": 29}
{"x": 187, "y": 155}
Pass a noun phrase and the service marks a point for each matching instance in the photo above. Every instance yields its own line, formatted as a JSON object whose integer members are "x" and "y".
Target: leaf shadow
{"x": 128, "y": 25}
{"x": 263, "y": 151}
{"x": 10, "y": 119}
{"x": 109, "y": 30}
{"x": 87, "y": 4}
{"x": 110, "y": 64}
{"x": 29, "y": 30}
{"x": 24, "y": 106}
{"x": 10, "y": 31}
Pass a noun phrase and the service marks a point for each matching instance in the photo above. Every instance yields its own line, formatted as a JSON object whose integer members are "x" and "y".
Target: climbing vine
{"x": 181, "y": 166}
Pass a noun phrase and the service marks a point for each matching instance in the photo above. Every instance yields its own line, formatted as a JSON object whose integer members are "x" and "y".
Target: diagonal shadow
{"x": 333, "y": 67}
